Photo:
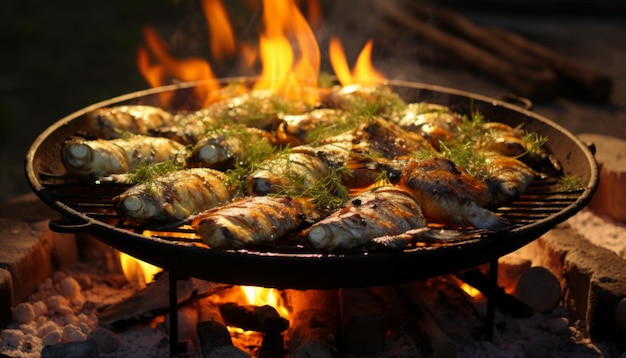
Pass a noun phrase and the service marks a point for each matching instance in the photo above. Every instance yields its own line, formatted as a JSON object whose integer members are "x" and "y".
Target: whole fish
{"x": 434, "y": 122}
{"x": 113, "y": 122}
{"x": 222, "y": 149}
{"x": 296, "y": 129}
{"x": 381, "y": 211}
{"x": 507, "y": 177}
{"x": 365, "y": 100}
{"x": 102, "y": 157}
{"x": 251, "y": 221}
{"x": 173, "y": 196}
{"x": 447, "y": 194}
{"x": 293, "y": 171}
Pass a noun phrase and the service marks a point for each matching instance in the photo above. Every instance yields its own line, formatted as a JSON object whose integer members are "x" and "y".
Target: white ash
{"x": 601, "y": 231}
{"x": 64, "y": 309}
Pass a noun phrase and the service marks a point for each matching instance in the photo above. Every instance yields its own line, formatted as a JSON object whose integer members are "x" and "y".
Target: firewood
{"x": 580, "y": 80}
{"x": 263, "y": 319}
{"x": 532, "y": 83}
{"x": 480, "y": 36}
{"x": 314, "y": 322}
{"x": 213, "y": 336}
{"x": 539, "y": 289}
{"x": 364, "y": 320}
{"x": 413, "y": 315}
{"x": 154, "y": 300}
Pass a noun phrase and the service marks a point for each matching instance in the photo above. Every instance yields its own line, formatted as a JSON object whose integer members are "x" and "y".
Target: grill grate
{"x": 541, "y": 200}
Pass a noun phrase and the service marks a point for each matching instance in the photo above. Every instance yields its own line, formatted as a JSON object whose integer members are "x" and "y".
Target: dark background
{"x": 58, "y": 57}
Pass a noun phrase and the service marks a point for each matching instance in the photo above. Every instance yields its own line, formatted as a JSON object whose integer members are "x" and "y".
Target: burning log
{"x": 364, "y": 320}
{"x": 263, "y": 319}
{"x": 153, "y": 300}
{"x": 413, "y": 315}
{"x": 213, "y": 336}
{"x": 314, "y": 323}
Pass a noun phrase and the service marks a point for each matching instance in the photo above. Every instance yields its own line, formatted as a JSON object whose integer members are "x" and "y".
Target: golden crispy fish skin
{"x": 113, "y": 122}
{"x": 102, "y": 157}
{"x": 296, "y": 128}
{"x": 448, "y": 194}
{"x": 381, "y": 211}
{"x": 221, "y": 150}
{"x": 250, "y": 221}
{"x": 434, "y": 122}
{"x": 173, "y": 196}
{"x": 508, "y": 177}
{"x": 297, "y": 170}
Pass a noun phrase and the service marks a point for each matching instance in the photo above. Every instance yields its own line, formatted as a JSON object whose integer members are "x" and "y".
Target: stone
{"x": 26, "y": 250}
{"x": 539, "y": 289}
{"x": 610, "y": 195}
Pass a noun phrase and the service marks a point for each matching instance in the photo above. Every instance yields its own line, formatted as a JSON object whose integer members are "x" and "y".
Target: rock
{"x": 539, "y": 289}
{"x": 611, "y": 192}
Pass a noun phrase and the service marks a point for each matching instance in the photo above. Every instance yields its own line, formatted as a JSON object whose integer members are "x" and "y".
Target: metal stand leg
{"x": 175, "y": 346}
{"x": 491, "y": 307}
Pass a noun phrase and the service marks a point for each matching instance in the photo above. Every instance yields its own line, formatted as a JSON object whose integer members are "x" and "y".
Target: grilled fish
{"x": 434, "y": 122}
{"x": 384, "y": 210}
{"x": 113, "y": 122}
{"x": 296, "y": 129}
{"x": 251, "y": 221}
{"x": 365, "y": 100}
{"x": 221, "y": 150}
{"x": 102, "y": 157}
{"x": 294, "y": 171}
{"x": 447, "y": 194}
{"x": 173, "y": 196}
{"x": 507, "y": 177}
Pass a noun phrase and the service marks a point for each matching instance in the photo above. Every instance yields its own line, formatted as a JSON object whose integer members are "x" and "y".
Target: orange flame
{"x": 222, "y": 39}
{"x": 136, "y": 271}
{"x": 261, "y": 296}
{"x": 287, "y": 51}
{"x": 284, "y": 70}
{"x": 363, "y": 71}
{"x": 168, "y": 68}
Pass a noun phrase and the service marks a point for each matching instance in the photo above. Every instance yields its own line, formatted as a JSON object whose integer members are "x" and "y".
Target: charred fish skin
{"x": 251, "y": 221}
{"x": 448, "y": 194}
{"x": 102, "y": 157}
{"x": 174, "y": 196}
{"x": 508, "y": 177}
{"x": 221, "y": 150}
{"x": 381, "y": 211}
{"x": 113, "y": 122}
{"x": 436, "y": 123}
{"x": 296, "y": 129}
{"x": 295, "y": 171}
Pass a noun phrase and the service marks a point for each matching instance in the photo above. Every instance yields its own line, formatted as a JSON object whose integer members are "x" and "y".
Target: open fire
{"x": 401, "y": 320}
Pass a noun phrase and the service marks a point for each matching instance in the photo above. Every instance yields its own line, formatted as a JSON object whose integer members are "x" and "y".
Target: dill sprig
{"x": 533, "y": 142}
{"x": 380, "y": 100}
{"x": 327, "y": 193}
{"x": 465, "y": 156}
{"x": 569, "y": 183}
{"x": 147, "y": 173}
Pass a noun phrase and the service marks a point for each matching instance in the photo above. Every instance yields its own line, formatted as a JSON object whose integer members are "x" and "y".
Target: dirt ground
{"x": 58, "y": 57}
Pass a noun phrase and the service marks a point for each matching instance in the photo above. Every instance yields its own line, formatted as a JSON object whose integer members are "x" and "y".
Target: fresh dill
{"x": 569, "y": 183}
{"x": 147, "y": 173}
{"x": 327, "y": 193}
{"x": 466, "y": 157}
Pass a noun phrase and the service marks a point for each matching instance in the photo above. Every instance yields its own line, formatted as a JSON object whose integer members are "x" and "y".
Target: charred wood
{"x": 153, "y": 300}
{"x": 413, "y": 316}
{"x": 364, "y": 320}
{"x": 314, "y": 323}
{"x": 263, "y": 319}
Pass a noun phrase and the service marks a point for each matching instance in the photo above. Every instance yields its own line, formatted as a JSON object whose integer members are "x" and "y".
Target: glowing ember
{"x": 471, "y": 291}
